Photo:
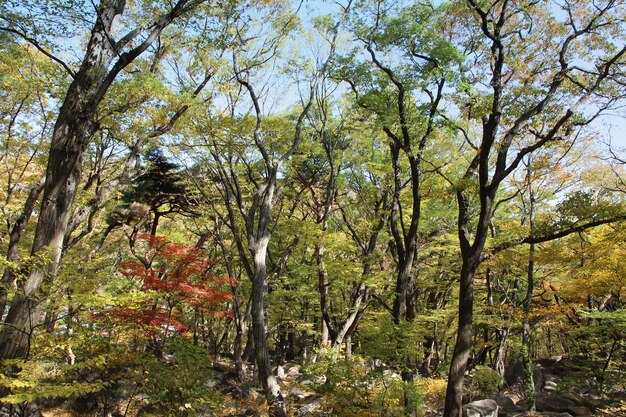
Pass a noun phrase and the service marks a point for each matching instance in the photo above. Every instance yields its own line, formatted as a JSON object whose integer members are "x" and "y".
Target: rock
{"x": 280, "y": 372}
{"x": 563, "y": 403}
{"x": 619, "y": 395}
{"x": 482, "y": 408}
{"x": 295, "y": 392}
{"x": 388, "y": 373}
{"x": 542, "y": 414}
{"x": 321, "y": 379}
{"x": 549, "y": 363}
{"x": 550, "y": 386}
{"x": 576, "y": 399}
{"x": 514, "y": 373}
{"x": 579, "y": 410}
{"x": 552, "y": 378}
{"x": 585, "y": 387}
{"x": 293, "y": 371}
{"x": 506, "y": 406}
{"x": 310, "y": 409}
{"x": 550, "y": 402}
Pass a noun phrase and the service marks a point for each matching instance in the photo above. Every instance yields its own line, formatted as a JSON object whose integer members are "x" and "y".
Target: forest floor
{"x": 358, "y": 391}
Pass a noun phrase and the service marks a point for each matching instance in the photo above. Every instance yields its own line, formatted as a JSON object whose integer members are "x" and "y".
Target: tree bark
{"x": 463, "y": 345}
{"x": 529, "y": 383}
{"x": 72, "y": 131}
{"x": 258, "y": 240}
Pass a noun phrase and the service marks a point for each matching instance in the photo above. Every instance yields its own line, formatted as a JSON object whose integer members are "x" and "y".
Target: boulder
{"x": 550, "y": 386}
{"x": 388, "y": 373}
{"x": 481, "y": 408}
{"x": 579, "y": 410}
{"x": 563, "y": 403}
{"x": 514, "y": 373}
{"x": 506, "y": 405}
{"x": 552, "y": 402}
{"x": 320, "y": 379}
{"x": 300, "y": 395}
{"x": 296, "y": 392}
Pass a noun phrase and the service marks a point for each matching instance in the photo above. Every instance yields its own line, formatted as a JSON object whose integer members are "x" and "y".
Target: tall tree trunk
{"x": 72, "y": 132}
{"x": 351, "y": 321}
{"x": 328, "y": 329}
{"x": 70, "y": 137}
{"x": 529, "y": 383}
{"x": 470, "y": 255}
{"x": 498, "y": 360}
{"x": 463, "y": 345}
{"x": 258, "y": 240}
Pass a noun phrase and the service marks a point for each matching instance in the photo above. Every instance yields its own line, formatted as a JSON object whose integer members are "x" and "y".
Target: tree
{"x": 162, "y": 189}
{"x": 29, "y": 85}
{"x": 410, "y": 65}
{"x": 103, "y": 61}
{"x": 176, "y": 278}
{"x": 515, "y": 122}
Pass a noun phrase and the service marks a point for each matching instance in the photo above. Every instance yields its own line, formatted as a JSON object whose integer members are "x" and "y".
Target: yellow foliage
{"x": 617, "y": 411}
{"x": 432, "y": 389}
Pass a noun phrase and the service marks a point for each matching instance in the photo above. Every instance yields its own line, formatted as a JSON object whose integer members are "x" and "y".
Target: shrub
{"x": 355, "y": 389}
{"x": 485, "y": 383}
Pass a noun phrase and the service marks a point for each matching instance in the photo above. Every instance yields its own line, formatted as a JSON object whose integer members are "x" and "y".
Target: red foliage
{"x": 179, "y": 277}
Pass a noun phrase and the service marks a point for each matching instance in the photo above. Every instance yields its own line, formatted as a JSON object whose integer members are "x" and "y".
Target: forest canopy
{"x": 350, "y": 208}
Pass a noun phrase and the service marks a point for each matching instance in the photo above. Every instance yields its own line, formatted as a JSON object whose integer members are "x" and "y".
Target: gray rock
{"x": 320, "y": 379}
{"x": 295, "y": 392}
{"x": 293, "y": 371}
{"x": 579, "y": 410}
{"x": 554, "y": 403}
{"x": 550, "y": 386}
{"x": 388, "y": 373}
{"x": 310, "y": 409}
{"x": 506, "y": 405}
{"x": 280, "y": 372}
{"x": 563, "y": 403}
{"x": 514, "y": 373}
{"x": 482, "y": 408}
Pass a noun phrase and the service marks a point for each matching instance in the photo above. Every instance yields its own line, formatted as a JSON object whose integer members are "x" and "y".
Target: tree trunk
{"x": 351, "y": 321}
{"x": 71, "y": 134}
{"x": 454, "y": 392}
{"x": 498, "y": 360}
{"x": 258, "y": 240}
{"x": 259, "y": 329}
{"x": 328, "y": 330}
{"x": 529, "y": 383}
{"x": 73, "y": 129}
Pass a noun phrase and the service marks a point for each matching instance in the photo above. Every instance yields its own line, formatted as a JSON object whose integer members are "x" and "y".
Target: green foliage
{"x": 430, "y": 49}
{"x": 380, "y": 338}
{"x": 47, "y": 377}
{"x": 356, "y": 388}
{"x": 178, "y": 386}
{"x": 485, "y": 383}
